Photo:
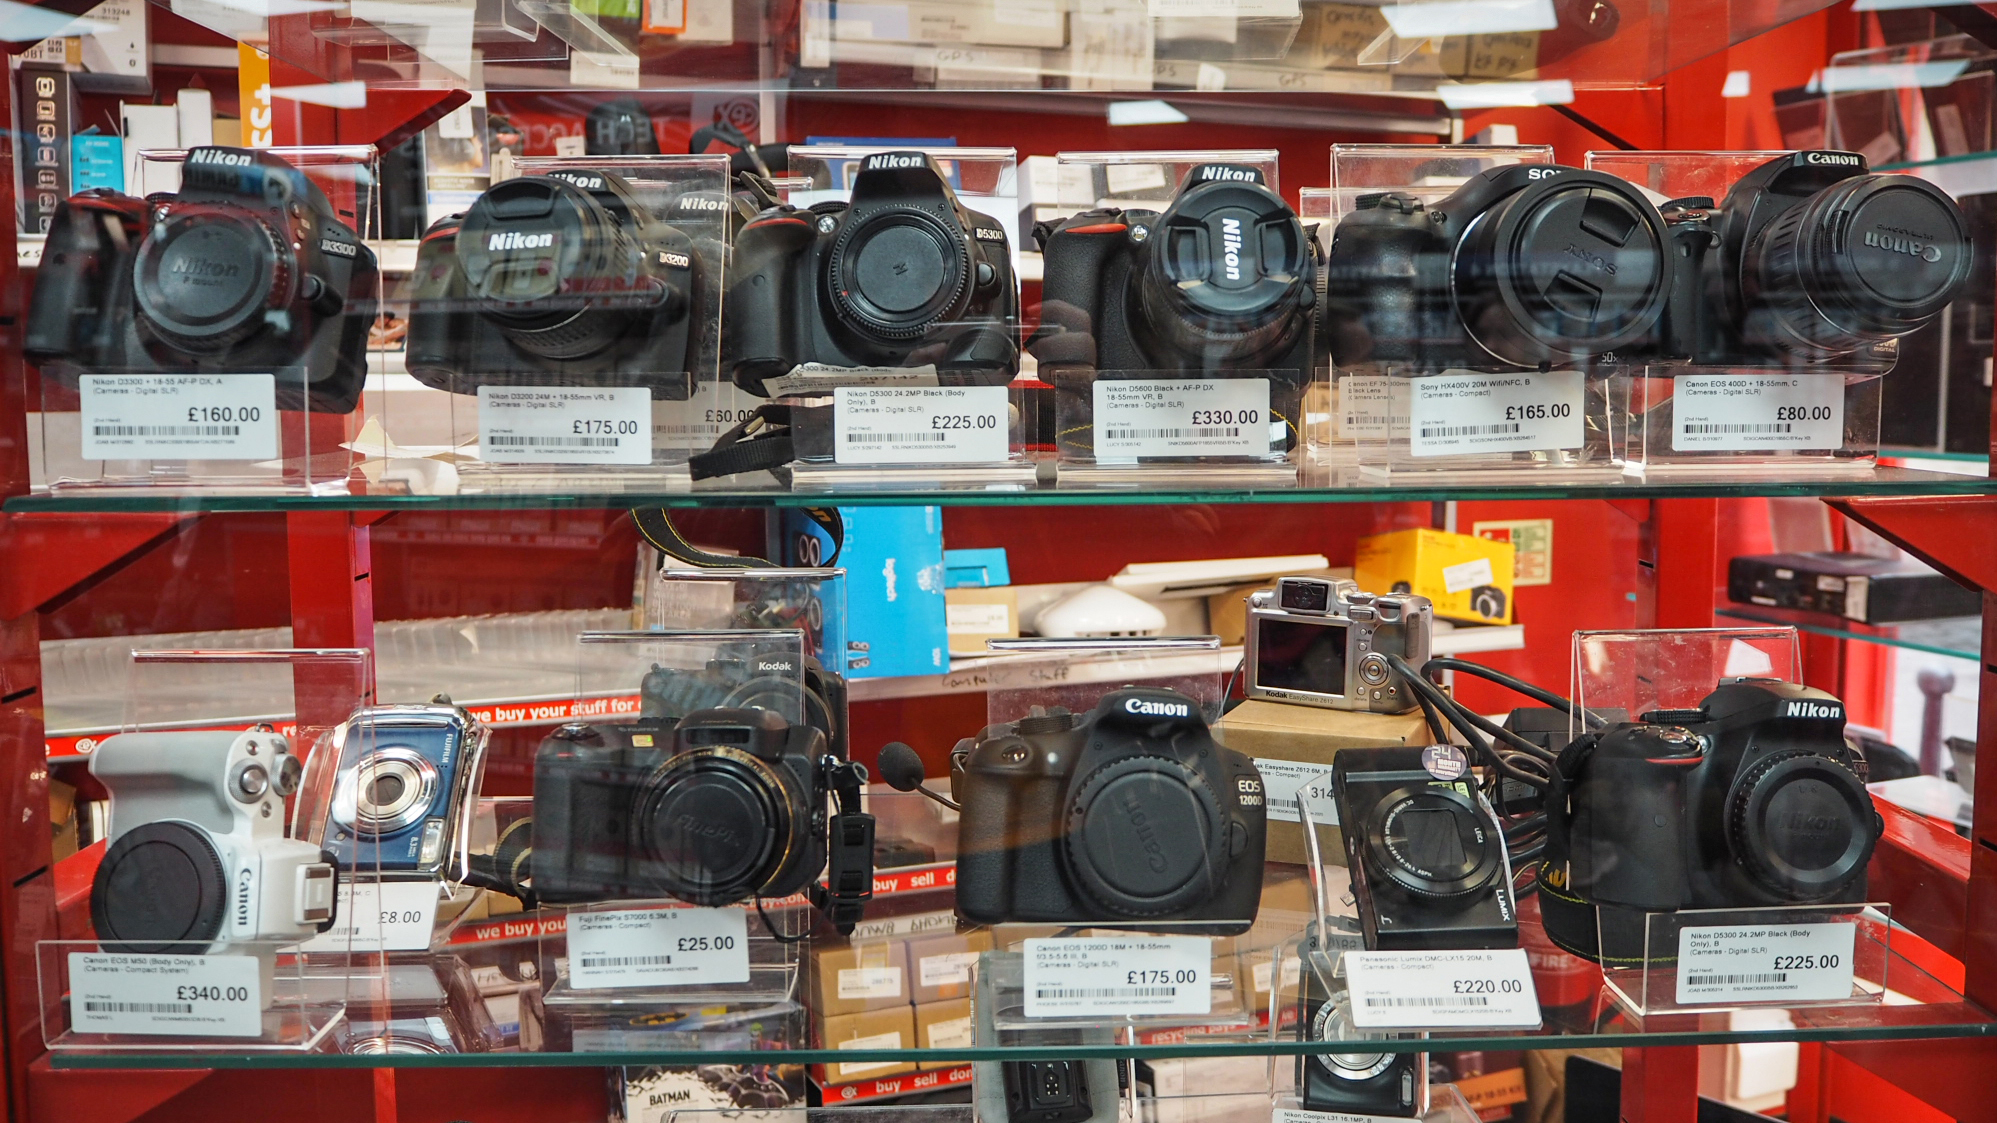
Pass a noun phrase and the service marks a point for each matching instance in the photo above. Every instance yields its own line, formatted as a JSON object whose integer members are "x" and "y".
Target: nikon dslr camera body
{"x": 247, "y": 269}
{"x": 1130, "y": 812}
{"x": 1322, "y": 642}
{"x": 564, "y": 279}
{"x": 903, "y": 275}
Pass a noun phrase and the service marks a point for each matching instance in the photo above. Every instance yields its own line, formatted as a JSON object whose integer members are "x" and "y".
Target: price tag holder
{"x": 699, "y": 421}
{"x": 1119, "y": 976}
{"x": 657, "y": 947}
{"x": 1299, "y": 1115}
{"x": 1366, "y": 407}
{"x": 178, "y": 416}
{"x": 564, "y": 425}
{"x": 1772, "y": 963}
{"x": 1223, "y": 417}
{"x": 1441, "y": 989}
{"x": 1288, "y": 783}
{"x": 921, "y": 425}
{"x": 1757, "y": 412}
{"x": 171, "y": 995}
{"x": 1459, "y": 412}
{"x": 380, "y": 916}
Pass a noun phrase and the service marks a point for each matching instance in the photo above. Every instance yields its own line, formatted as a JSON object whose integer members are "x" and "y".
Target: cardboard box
{"x": 1467, "y": 577}
{"x": 893, "y": 558}
{"x": 864, "y": 975}
{"x": 872, "y": 1029}
{"x": 973, "y": 615}
{"x": 943, "y": 1025}
{"x": 1002, "y": 23}
{"x": 1227, "y": 613}
{"x": 939, "y": 967}
{"x": 1293, "y": 746}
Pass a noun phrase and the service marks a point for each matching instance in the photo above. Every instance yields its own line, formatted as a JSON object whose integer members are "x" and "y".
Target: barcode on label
{"x": 139, "y": 1007}
{"x": 936, "y": 438}
{"x": 1447, "y": 1001}
{"x": 1766, "y": 427}
{"x": 1045, "y": 993}
{"x": 1469, "y": 430}
{"x": 1354, "y": 419}
{"x": 1168, "y": 434}
{"x": 595, "y": 962}
{"x": 1735, "y": 980}
{"x": 166, "y": 430}
{"x": 709, "y": 428}
{"x": 503, "y": 441}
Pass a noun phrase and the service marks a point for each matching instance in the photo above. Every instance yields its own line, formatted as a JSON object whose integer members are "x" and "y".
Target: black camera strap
{"x": 849, "y": 849}
{"x": 762, "y": 442}
{"x": 656, "y": 524}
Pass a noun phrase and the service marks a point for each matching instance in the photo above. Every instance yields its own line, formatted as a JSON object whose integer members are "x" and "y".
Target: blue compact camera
{"x": 403, "y": 796}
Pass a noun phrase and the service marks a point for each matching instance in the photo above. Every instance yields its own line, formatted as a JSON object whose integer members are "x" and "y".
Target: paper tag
{"x": 380, "y": 916}
{"x": 1365, "y": 407}
{"x": 1130, "y": 179}
{"x": 817, "y": 378}
{"x": 1441, "y": 989}
{"x": 888, "y": 1040}
{"x": 1468, "y": 575}
{"x": 173, "y": 995}
{"x": 869, "y": 982}
{"x": 1224, "y": 417}
{"x": 696, "y": 423}
{"x": 1802, "y": 962}
{"x": 950, "y": 969}
{"x": 1118, "y": 976}
{"x": 978, "y": 619}
{"x": 1757, "y": 411}
{"x": 178, "y": 416}
{"x": 1459, "y": 412}
{"x": 564, "y": 425}
{"x": 920, "y": 425}
{"x": 1265, "y": 973}
{"x": 657, "y": 947}
{"x": 950, "y": 1033}
{"x": 1287, "y": 782}
{"x": 1299, "y": 1115}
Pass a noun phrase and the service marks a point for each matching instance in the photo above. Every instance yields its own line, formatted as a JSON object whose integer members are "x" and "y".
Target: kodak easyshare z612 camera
{"x": 1321, "y": 642}
{"x": 246, "y": 270}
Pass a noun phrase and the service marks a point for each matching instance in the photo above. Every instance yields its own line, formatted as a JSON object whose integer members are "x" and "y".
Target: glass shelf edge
{"x": 1801, "y": 625}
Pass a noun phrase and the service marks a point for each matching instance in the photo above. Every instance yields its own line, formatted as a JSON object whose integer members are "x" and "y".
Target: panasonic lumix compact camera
{"x": 1130, "y": 812}
{"x": 1385, "y": 1084}
{"x": 1225, "y": 278}
{"x": 1752, "y": 800}
{"x": 903, "y": 275}
{"x": 247, "y": 270}
{"x": 1427, "y": 855}
{"x": 564, "y": 279}
{"x": 1322, "y": 642}
{"x": 407, "y": 781}
{"x": 198, "y": 858}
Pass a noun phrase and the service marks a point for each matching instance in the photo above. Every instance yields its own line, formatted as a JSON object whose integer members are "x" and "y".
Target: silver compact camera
{"x": 1320, "y": 641}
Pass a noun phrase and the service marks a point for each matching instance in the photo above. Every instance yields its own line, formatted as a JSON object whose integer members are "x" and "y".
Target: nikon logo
{"x": 218, "y": 157}
{"x": 702, "y": 203}
{"x": 1212, "y": 174}
{"x": 688, "y": 825}
{"x": 1845, "y": 159}
{"x": 1926, "y": 251}
{"x": 586, "y": 182}
{"x": 202, "y": 267}
{"x": 1594, "y": 259}
{"x": 676, "y": 260}
{"x": 337, "y": 249}
{"x": 1814, "y": 709}
{"x": 893, "y": 160}
{"x": 1230, "y": 247}
{"x": 1147, "y": 839}
{"x": 1156, "y": 709}
{"x": 515, "y": 240}
{"x": 1800, "y": 823}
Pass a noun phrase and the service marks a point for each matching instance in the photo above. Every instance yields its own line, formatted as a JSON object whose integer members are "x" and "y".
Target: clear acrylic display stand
{"x": 1075, "y": 673}
{"x": 813, "y": 601}
{"x": 418, "y": 1004}
{"x": 1702, "y": 961}
{"x": 1227, "y": 422}
{"x": 623, "y": 411}
{"x": 154, "y": 404}
{"x": 1638, "y": 671}
{"x": 1749, "y": 420}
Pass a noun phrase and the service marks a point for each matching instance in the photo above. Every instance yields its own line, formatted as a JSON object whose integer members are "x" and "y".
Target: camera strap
{"x": 762, "y": 442}
{"x": 656, "y": 524}
{"x": 849, "y": 849}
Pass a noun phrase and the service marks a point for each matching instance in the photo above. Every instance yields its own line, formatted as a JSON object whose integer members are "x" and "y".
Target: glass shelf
{"x": 1188, "y": 488}
{"x": 1950, "y": 636}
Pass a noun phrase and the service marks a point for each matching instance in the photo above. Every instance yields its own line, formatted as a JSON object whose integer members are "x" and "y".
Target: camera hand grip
{"x": 759, "y": 327}
{"x": 1075, "y": 256}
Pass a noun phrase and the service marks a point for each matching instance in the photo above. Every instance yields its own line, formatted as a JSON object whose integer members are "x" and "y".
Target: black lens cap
{"x": 712, "y": 825}
{"x": 205, "y": 274}
{"x": 1901, "y": 243}
{"x": 896, "y": 269}
{"x": 901, "y": 268}
{"x": 1585, "y": 261}
{"x": 1802, "y": 825}
{"x": 526, "y": 239}
{"x": 1145, "y": 836}
{"x": 162, "y": 885}
{"x": 1229, "y": 249}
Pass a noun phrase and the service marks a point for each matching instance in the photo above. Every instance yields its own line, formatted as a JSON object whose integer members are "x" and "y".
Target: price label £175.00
{"x": 1119, "y": 976}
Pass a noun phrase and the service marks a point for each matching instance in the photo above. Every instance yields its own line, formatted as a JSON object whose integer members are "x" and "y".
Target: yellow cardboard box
{"x": 1467, "y": 577}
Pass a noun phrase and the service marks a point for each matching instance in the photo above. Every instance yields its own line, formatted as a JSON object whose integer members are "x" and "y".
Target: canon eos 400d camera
{"x": 903, "y": 275}
{"x": 1129, "y": 812}
{"x": 563, "y": 279}
{"x": 246, "y": 270}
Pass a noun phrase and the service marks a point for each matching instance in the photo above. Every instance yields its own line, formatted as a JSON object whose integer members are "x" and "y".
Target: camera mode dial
{"x": 1145, "y": 836}
{"x": 1801, "y": 825}
{"x": 208, "y": 275}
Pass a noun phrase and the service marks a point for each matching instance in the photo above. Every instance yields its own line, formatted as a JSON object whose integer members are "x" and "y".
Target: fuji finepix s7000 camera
{"x": 406, "y": 784}
{"x": 903, "y": 275}
{"x": 1130, "y": 812}
{"x": 198, "y": 858}
{"x": 564, "y": 279}
{"x": 1322, "y": 642}
{"x": 246, "y": 270}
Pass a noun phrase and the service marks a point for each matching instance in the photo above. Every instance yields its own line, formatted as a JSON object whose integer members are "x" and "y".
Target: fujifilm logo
{"x": 218, "y": 157}
{"x": 1156, "y": 709}
{"x": 337, "y": 249}
{"x": 694, "y": 828}
{"x": 1926, "y": 251}
{"x": 1212, "y": 174}
{"x": 1230, "y": 247}
{"x": 1842, "y": 159}
{"x": 893, "y": 160}
{"x": 515, "y": 240}
{"x": 1814, "y": 709}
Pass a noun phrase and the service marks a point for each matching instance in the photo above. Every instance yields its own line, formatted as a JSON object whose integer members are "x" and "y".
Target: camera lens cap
{"x": 527, "y": 239}
{"x": 1801, "y": 824}
{"x": 205, "y": 275}
{"x": 1432, "y": 840}
{"x": 712, "y": 822}
{"x": 1145, "y": 836}
{"x": 897, "y": 268}
{"x": 1876, "y": 255}
{"x": 1229, "y": 249}
{"x": 161, "y": 884}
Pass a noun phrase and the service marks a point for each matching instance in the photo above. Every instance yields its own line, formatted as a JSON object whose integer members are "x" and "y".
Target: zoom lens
{"x": 1432, "y": 840}
{"x": 1227, "y": 274}
{"x": 389, "y": 790}
{"x": 898, "y": 270}
{"x": 716, "y": 825}
{"x": 1869, "y": 258}
{"x": 207, "y": 273}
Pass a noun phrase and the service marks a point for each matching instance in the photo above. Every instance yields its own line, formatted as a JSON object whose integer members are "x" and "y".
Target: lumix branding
{"x": 1881, "y": 238}
{"x": 515, "y": 240}
{"x": 1216, "y": 173}
{"x": 218, "y": 157}
{"x": 893, "y": 160}
{"x": 1845, "y": 159}
{"x": 1156, "y": 709}
{"x": 1797, "y": 708}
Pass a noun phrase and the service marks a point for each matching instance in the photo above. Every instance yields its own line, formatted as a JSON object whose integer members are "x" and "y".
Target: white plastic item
{"x": 1099, "y": 610}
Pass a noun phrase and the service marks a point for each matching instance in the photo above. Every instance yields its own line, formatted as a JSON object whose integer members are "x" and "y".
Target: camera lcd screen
{"x": 1291, "y": 655}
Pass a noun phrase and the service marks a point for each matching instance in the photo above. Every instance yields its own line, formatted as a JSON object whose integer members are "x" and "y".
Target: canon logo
{"x": 1211, "y": 174}
{"x": 245, "y": 886}
{"x": 337, "y": 249}
{"x": 1814, "y": 709}
{"x": 218, "y": 157}
{"x": 676, "y": 260}
{"x": 515, "y": 240}
{"x": 1230, "y": 247}
{"x": 202, "y": 267}
{"x": 1846, "y": 159}
{"x": 1156, "y": 709}
{"x": 1926, "y": 251}
{"x": 1147, "y": 839}
{"x": 893, "y": 160}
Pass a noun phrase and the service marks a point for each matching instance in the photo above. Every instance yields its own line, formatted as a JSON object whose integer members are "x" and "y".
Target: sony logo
{"x": 1230, "y": 247}
{"x": 1851, "y": 159}
{"x": 676, "y": 260}
{"x": 1814, "y": 709}
{"x": 984, "y": 235}
{"x": 219, "y": 156}
{"x": 515, "y": 240}
{"x": 337, "y": 249}
{"x": 893, "y": 160}
{"x": 1213, "y": 173}
{"x": 1156, "y": 709}
{"x": 1594, "y": 259}
{"x": 1926, "y": 251}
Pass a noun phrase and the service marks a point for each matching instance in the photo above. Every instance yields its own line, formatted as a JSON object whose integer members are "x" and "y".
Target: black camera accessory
{"x": 849, "y": 851}
{"x": 1046, "y": 1092}
{"x": 656, "y": 524}
{"x": 619, "y": 127}
{"x": 901, "y": 768}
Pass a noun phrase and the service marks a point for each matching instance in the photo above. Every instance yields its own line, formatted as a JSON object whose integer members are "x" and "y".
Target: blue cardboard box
{"x": 896, "y": 623}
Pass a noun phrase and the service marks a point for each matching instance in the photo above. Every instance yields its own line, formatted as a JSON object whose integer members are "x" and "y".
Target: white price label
{"x": 977, "y": 619}
{"x": 657, "y": 947}
{"x": 950, "y": 1033}
{"x": 818, "y": 379}
{"x": 1299, "y": 1115}
{"x": 1463, "y": 412}
{"x": 1287, "y": 783}
{"x": 949, "y": 969}
{"x": 380, "y": 916}
{"x": 1264, "y": 974}
{"x": 1797, "y": 962}
{"x": 1757, "y": 411}
{"x": 172, "y": 995}
{"x": 888, "y": 1040}
{"x": 1224, "y": 417}
{"x": 1441, "y": 989}
{"x": 920, "y": 425}
{"x": 1366, "y": 407}
{"x": 869, "y": 982}
{"x": 179, "y": 416}
{"x": 1119, "y": 975}
{"x": 699, "y": 421}
{"x": 564, "y": 425}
